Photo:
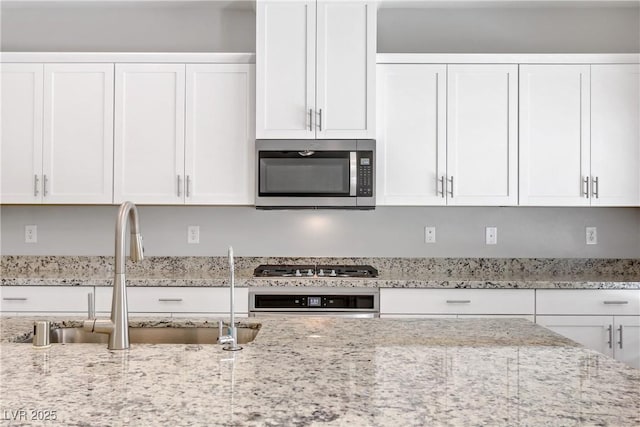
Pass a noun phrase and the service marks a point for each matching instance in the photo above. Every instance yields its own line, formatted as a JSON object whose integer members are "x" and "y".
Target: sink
{"x": 151, "y": 335}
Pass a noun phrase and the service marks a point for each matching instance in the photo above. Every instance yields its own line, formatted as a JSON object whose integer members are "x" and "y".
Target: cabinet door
{"x": 21, "y": 133}
{"x": 345, "y": 81}
{"x": 482, "y": 135}
{"x": 149, "y": 133}
{"x": 615, "y": 135}
{"x": 285, "y": 69}
{"x": 78, "y": 133}
{"x": 594, "y": 332}
{"x": 554, "y": 135}
{"x": 411, "y": 136}
{"x": 219, "y": 151}
{"x": 627, "y": 340}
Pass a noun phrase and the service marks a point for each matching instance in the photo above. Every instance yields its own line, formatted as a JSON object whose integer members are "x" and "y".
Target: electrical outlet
{"x": 491, "y": 235}
{"x": 31, "y": 234}
{"x": 429, "y": 234}
{"x": 592, "y": 235}
{"x": 193, "y": 234}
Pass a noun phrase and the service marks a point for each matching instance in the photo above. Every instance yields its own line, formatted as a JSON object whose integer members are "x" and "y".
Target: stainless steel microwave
{"x": 302, "y": 173}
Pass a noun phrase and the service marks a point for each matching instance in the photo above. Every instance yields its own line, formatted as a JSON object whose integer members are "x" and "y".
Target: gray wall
{"x": 510, "y": 30}
{"x": 522, "y": 232}
{"x": 224, "y": 26}
{"x": 121, "y": 27}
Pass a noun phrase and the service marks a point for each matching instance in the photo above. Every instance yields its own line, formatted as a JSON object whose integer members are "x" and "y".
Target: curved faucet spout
{"x": 118, "y": 326}
{"x": 128, "y": 213}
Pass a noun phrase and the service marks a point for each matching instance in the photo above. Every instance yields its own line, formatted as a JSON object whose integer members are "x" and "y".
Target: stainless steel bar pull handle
{"x": 586, "y": 188}
{"x": 595, "y": 187}
{"x": 616, "y": 302}
{"x": 320, "y": 119}
{"x": 458, "y": 301}
{"x": 610, "y": 330}
{"x": 188, "y": 186}
{"x": 179, "y": 185}
{"x": 45, "y": 181}
{"x": 14, "y": 298}
{"x": 36, "y": 182}
{"x": 170, "y": 299}
{"x": 620, "y": 331}
{"x": 451, "y": 191}
{"x": 442, "y": 191}
{"x": 310, "y": 119}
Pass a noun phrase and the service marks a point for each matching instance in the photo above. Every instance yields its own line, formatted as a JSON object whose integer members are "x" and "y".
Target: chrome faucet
{"x": 118, "y": 326}
{"x": 231, "y": 339}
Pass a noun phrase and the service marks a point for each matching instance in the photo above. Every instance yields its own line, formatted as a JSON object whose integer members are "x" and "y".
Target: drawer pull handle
{"x": 170, "y": 299}
{"x": 458, "y": 301}
{"x": 15, "y": 298}
{"x": 616, "y": 302}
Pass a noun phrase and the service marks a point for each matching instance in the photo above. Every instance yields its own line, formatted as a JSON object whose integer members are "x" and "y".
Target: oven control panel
{"x": 310, "y": 302}
{"x": 365, "y": 174}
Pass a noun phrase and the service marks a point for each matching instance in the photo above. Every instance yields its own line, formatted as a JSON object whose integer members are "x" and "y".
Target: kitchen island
{"x": 324, "y": 371}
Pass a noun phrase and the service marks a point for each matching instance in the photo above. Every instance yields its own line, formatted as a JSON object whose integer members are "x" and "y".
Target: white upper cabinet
{"x": 21, "y": 132}
{"x": 482, "y": 135}
{"x": 77, "y": 157}
{"x": 149, "y": 133}
{"x": 57, "y": 133}
{"x": 298, "y": 97}
{"x": 554, "y": 135}
{"x": 447, "y": 136}
{"x": 411, "y": 136}
{"x": 615, "y": 135}
{"x": 285, "y": 69}
{"x": 220, "y": 123}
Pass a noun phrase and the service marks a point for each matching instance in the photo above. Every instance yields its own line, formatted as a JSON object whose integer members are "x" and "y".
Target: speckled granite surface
{"x": 394, "y": 272}
{"x": 323, "y": 371}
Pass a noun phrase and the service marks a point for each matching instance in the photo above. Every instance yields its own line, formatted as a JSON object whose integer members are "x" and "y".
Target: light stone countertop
{"x": 384, "y": 281}
{"x": 311, "y": 371}
{"x": 489, "y": 273}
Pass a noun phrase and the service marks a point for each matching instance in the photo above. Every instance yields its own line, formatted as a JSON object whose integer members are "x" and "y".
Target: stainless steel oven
{"x": 315, "y": 174}
{"x": 295, "y": 301}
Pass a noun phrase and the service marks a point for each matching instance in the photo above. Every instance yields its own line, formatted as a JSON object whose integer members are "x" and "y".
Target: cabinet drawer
{"x": 176, "y": 300}
{"x": 585, "y": 301}
{"x": 53, "y": 299}
{"x": 457, "y": 301}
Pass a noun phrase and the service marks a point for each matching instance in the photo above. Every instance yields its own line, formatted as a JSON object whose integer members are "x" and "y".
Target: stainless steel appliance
{"x": 295, "y": 301}
{"x": 315, "y": 301}
{"x": 315, "y": 174}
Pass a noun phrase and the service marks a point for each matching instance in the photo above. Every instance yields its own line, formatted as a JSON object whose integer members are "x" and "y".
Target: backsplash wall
{"x": 385, "y": 232}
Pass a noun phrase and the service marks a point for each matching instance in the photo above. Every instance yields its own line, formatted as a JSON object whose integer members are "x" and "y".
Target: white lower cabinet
{"x": 399, "y": 303}
{"x": 607, "y": 321}
{"x": 177, "y": 300}
{"x": 30, "y": 300}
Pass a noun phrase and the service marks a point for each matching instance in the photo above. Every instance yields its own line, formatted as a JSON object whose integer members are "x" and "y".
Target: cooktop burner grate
{"x": 270, "y": 270}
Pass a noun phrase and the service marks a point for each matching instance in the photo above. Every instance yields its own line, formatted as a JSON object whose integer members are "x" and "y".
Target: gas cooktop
{"x": 267, "y": 270}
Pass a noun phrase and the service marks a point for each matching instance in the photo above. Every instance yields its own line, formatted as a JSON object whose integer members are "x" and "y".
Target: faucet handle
{"x": 91, "y": 306}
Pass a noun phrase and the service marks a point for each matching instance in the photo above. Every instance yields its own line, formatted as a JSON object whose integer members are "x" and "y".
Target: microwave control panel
{"x": 365, "y": 174}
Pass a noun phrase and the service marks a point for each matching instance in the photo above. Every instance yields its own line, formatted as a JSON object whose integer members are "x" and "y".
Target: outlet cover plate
{"x": 193, "y": 234}
{"x": 429, "y": 234}
{"x": 592, "y": 235}
{"x": 491, "y": 235}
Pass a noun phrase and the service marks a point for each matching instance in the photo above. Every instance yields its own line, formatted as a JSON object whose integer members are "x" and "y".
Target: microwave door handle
{"x": 353, "y": 173}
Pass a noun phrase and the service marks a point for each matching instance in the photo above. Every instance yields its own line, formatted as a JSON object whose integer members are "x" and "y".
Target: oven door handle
{"x": 353, "y": 173}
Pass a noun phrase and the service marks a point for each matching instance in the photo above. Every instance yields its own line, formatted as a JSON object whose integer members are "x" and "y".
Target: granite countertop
{"x": 496, "y": 273}
{"x": 388, "y": 280}
{"x": 326, "y": 371}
